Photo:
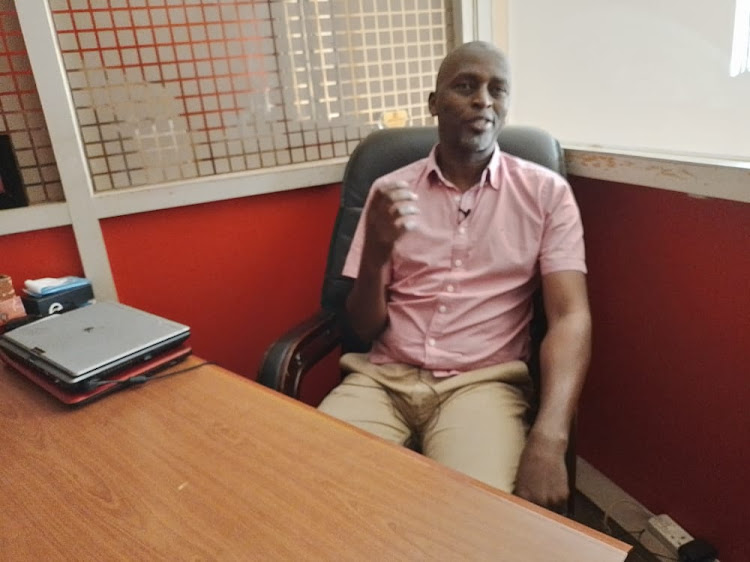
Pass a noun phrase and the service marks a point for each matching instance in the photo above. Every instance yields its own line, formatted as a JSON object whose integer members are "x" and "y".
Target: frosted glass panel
{"x": 171, "y": 90}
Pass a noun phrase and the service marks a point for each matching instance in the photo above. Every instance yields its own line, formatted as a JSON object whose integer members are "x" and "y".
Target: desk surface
{"x": 208, "y": 465}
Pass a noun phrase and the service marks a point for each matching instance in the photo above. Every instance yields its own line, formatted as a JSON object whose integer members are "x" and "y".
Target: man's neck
{"x": 464, "y": 170}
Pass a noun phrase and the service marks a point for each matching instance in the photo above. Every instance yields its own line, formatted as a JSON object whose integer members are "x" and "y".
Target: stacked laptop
{"x": 86, "y": 352}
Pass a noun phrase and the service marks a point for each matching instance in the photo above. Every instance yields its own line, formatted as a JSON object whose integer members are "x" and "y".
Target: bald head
{"x": 467, "y": 51}
{"x": 470, "y": 100}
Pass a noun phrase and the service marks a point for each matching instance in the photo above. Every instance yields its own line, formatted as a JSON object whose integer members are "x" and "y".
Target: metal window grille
{"x": 21, "y": 114}
{"x": 168, "y": 90}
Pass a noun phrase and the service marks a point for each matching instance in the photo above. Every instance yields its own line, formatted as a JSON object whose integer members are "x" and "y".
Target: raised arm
{"x": 565, "y": 354}
{"x": 390, "y": 214}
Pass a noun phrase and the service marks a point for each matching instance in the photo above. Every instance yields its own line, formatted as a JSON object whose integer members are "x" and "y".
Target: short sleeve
{"x": 562, "y": 246}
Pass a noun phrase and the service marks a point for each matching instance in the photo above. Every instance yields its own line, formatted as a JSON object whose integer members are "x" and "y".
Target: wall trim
{"x": 696, "y": 176}
{"x": 218, "y": 188}
{"x": 36, "y": 217}
{"x": 710, "y": 179}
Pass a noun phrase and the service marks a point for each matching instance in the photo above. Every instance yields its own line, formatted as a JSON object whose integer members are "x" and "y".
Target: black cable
{"x": 140, "y": 379}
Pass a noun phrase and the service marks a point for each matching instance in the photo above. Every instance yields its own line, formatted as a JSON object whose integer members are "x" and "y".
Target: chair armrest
{"x": 289, "y": 358}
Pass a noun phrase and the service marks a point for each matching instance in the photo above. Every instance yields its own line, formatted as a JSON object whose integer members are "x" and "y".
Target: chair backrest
{"x": 387, "y": 150}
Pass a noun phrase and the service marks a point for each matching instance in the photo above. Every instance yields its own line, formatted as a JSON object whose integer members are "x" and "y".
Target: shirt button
{"x": 458, "y": 263}
{"x": 442, "y": 308}
{"x": 431, "y": 341}
{"x": 461, "y": 230}
{"x": 450, "y": 288}
{"x": 456, "y": 198}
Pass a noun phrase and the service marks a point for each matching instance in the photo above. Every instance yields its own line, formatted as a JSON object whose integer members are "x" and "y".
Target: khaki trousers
{"x": 474, "y": 422}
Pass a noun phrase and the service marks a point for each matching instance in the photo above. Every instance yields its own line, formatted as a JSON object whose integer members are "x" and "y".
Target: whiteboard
{"x": 646, "y": 75}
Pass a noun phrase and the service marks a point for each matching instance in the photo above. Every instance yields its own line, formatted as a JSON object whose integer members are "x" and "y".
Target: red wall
{"x": 41, "y": 253}
{"x": 237, "y": 272}
{"x": 666, "y": 410}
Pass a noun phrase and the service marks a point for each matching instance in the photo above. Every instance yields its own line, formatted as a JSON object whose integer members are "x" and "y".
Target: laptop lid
{"x": 92, "y": 341}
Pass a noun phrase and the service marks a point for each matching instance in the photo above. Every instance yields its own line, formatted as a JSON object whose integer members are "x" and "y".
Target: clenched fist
{"x": 391, "y": 213}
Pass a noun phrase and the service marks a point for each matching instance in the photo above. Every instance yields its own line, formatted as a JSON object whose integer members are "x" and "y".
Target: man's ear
{"x": 431, "y": 104}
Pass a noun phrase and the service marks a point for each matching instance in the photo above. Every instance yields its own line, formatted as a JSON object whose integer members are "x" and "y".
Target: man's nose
{"x": 482, "y": 97}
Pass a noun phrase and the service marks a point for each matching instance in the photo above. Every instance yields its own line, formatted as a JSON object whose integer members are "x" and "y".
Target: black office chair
{"x": 291, "y": 357}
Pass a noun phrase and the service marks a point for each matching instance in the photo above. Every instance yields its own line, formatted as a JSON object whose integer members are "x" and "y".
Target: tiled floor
{"x": 590, "y": 515}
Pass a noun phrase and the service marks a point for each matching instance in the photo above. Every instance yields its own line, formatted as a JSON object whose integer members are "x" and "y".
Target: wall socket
{"x": 668, "y": 532}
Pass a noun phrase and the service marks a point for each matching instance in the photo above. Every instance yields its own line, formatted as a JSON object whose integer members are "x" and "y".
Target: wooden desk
{"x": 208, "y": 465}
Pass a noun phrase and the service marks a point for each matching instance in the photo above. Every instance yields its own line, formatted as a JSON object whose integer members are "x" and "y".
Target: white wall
{"x": 647, "y": 75}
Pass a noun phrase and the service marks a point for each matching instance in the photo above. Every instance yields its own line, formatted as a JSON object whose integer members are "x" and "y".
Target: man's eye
{"x": 463, "y": 87}
{"x": 497, "y": 90}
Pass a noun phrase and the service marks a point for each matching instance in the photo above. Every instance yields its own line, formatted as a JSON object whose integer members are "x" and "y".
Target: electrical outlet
{"x": 668, "y": 532}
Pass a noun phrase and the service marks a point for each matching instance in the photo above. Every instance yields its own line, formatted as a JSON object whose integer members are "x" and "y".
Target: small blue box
{"x": 59, "y": 301}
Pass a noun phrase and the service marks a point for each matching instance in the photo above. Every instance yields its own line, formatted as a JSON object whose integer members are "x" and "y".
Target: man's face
{"x": 471, "y": 101}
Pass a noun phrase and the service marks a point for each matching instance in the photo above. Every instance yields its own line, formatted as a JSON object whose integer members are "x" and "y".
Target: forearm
{"x": 565, "y": 355}
{"x": 366, "y": 303}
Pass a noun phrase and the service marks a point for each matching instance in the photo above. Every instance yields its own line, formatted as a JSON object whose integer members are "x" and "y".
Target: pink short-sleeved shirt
{"x": 460, "y": 285}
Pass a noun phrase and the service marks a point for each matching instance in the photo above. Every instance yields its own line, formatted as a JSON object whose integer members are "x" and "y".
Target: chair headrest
{"x": 386, "y": 150}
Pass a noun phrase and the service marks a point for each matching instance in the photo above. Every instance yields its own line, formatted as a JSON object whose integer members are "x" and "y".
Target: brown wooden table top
{"x": 209, "y": 465}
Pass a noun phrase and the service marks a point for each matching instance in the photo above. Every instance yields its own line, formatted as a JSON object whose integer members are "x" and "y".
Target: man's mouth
{"x": 481, "y": 124}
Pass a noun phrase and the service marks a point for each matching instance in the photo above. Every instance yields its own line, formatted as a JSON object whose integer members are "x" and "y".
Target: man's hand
{"x": 542, "y": 476}
{"x": 389, "y": 216}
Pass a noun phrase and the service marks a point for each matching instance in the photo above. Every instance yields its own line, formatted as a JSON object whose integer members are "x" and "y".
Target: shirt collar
{"x": 491, "y": 173}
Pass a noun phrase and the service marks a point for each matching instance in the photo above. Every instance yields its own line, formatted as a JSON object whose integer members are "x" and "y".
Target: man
{"x": 446, "y": 258}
